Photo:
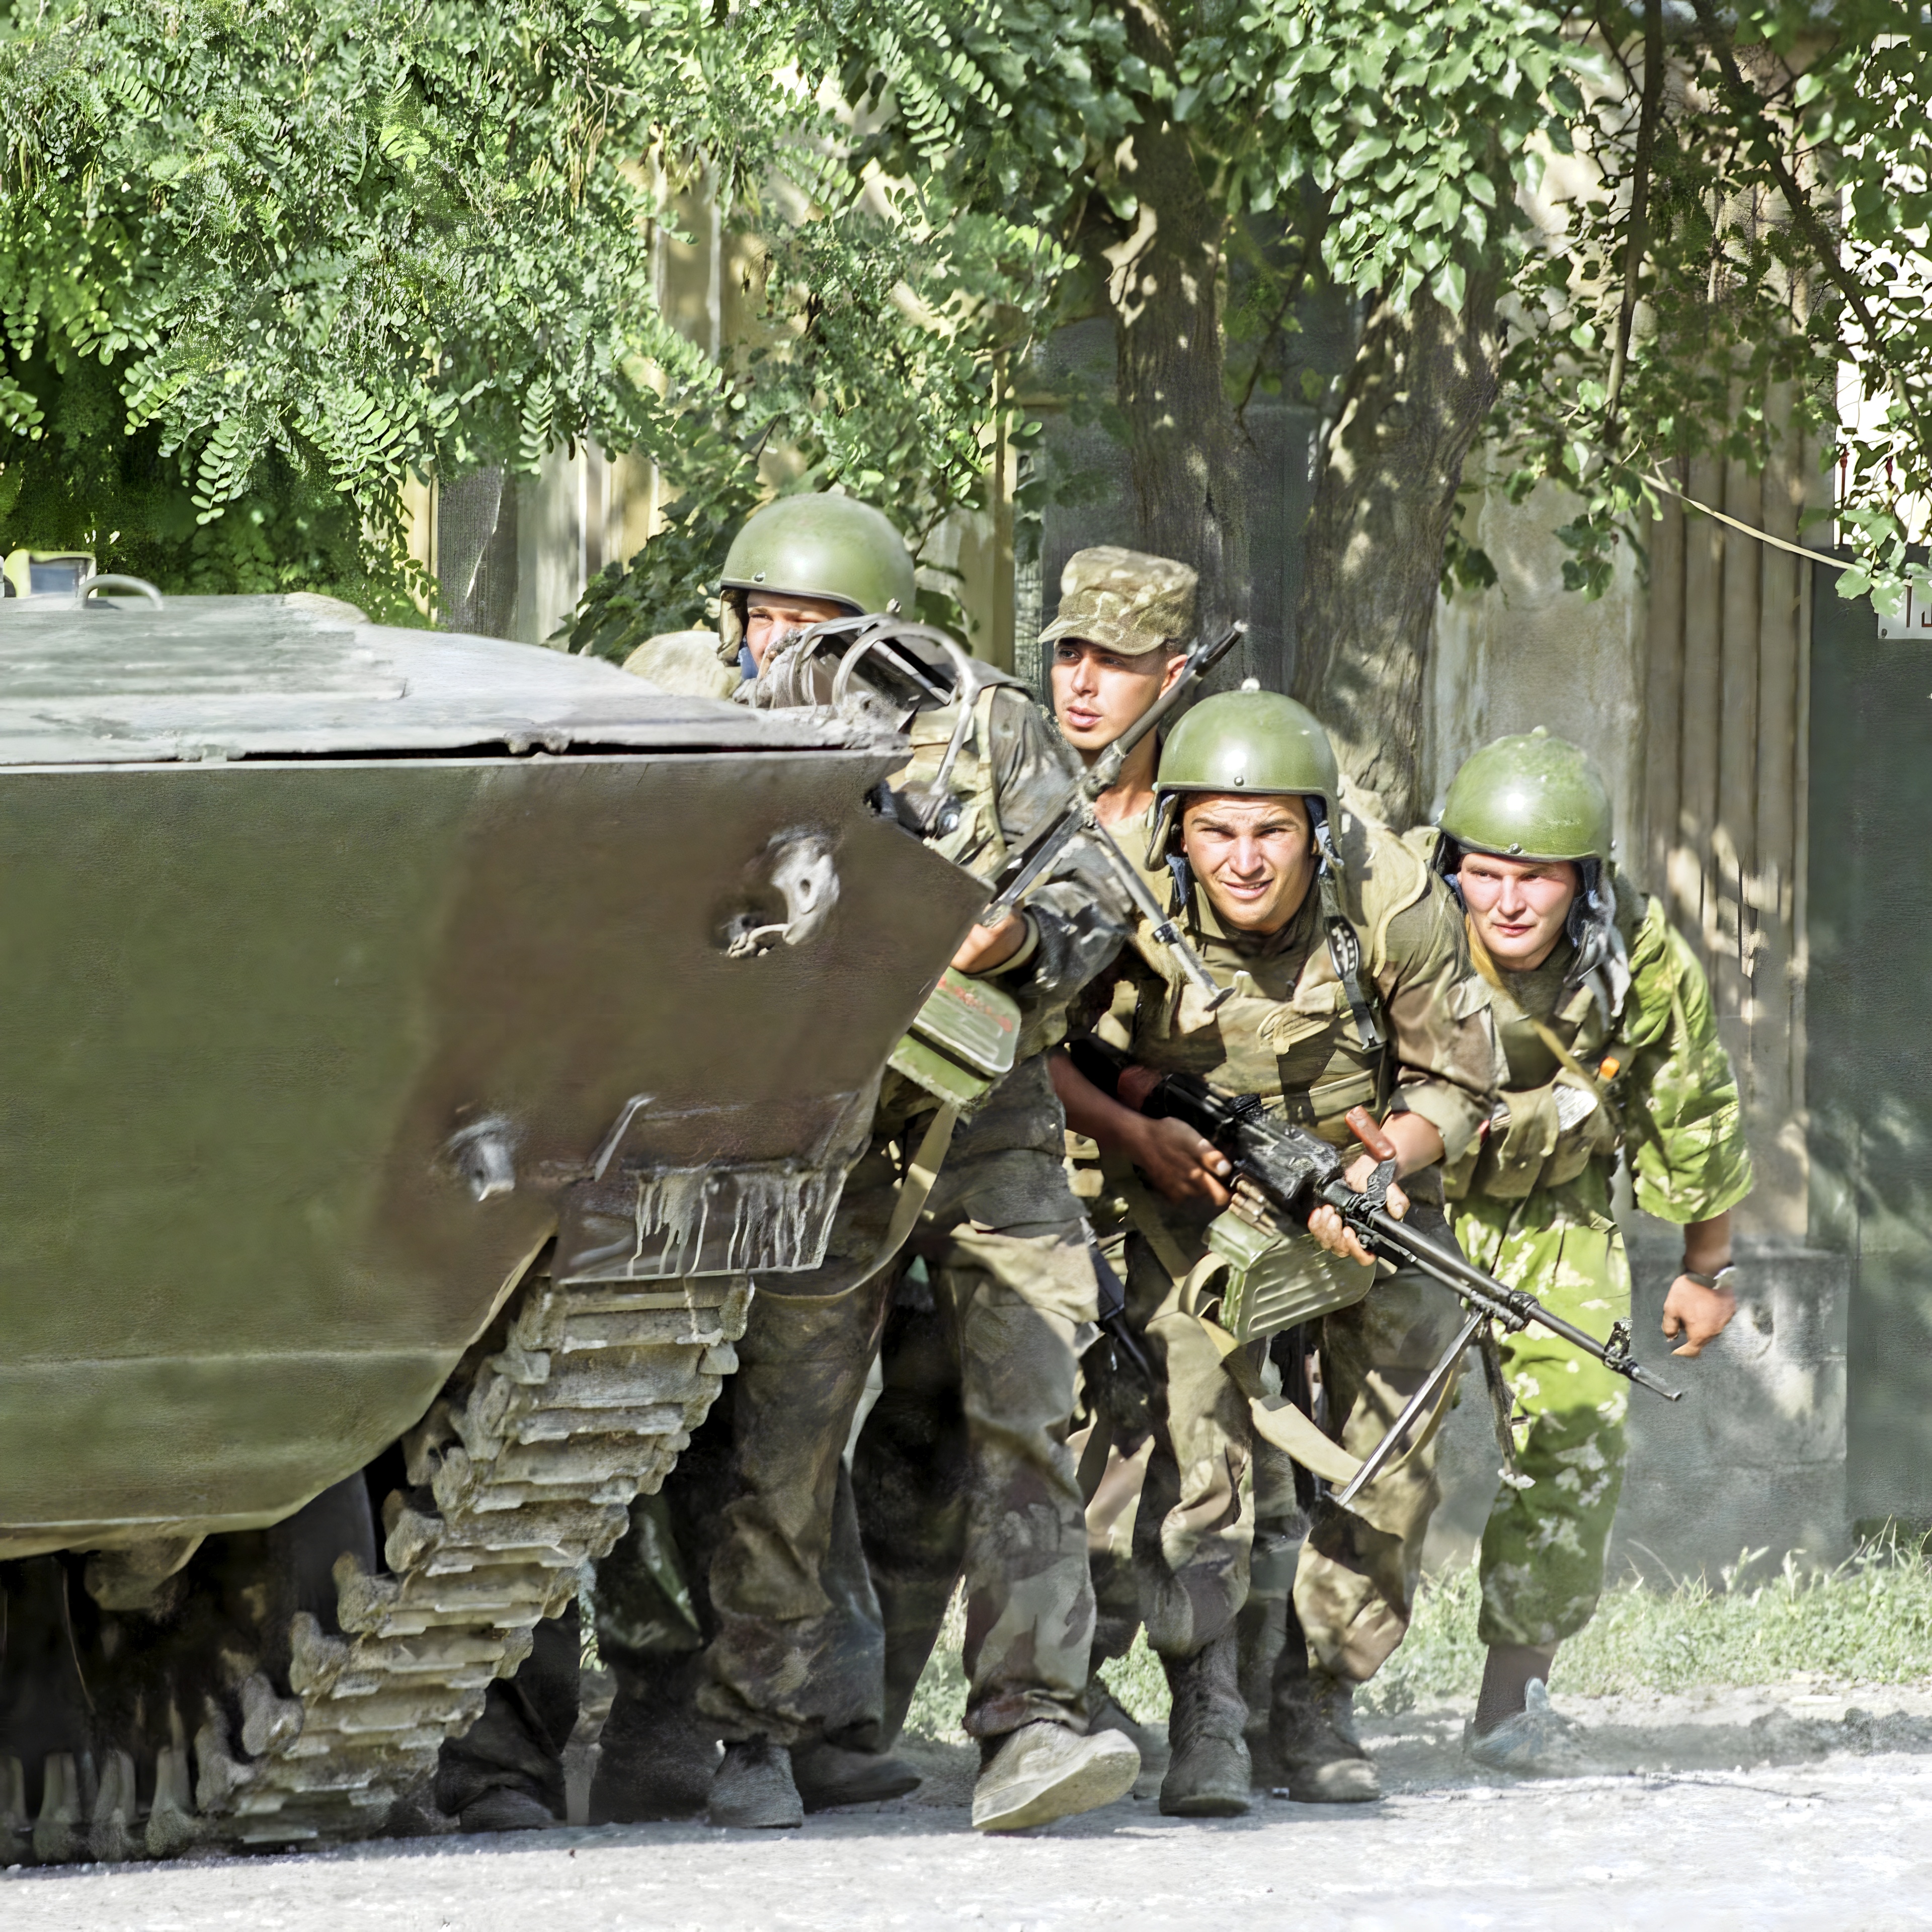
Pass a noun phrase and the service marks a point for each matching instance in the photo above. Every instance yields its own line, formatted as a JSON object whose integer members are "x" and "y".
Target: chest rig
{"x": 1303, "y": 1028}
{"x": 1545, "y": 1132}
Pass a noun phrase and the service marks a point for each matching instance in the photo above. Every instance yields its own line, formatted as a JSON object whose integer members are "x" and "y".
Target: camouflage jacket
{"x": 1289, "y": 1034}
{"x": 1651, "y": 1080}
{"x": 1013, "y": 771}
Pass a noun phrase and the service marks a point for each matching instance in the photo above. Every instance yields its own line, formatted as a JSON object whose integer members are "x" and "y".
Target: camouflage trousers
{"x": 795, "y": 1649}
{"x": 1193, "y": 1536}
{"x": 962, "y": 1468}
{"x": 1544, "y": 1544}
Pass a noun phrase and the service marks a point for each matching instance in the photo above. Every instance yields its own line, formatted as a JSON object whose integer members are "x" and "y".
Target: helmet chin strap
{"x": 1601, "y": 963}
{"x": 1345, "y": 947}
{"x": 1447, "y": 859}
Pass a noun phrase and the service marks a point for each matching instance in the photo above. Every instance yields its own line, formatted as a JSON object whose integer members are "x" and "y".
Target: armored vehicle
{"x": 414, "y": 1049}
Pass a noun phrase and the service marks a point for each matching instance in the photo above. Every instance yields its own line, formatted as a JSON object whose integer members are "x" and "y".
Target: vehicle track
{"x": 532, "y": 1456}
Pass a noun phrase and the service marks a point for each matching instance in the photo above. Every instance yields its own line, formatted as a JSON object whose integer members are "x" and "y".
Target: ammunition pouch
{"x": 961, "y": 1043}
{"x": 1542, "y": 1137}
{"x": 1268, "y": 1281}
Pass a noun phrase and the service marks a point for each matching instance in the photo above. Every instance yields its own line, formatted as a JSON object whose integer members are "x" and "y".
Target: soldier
{"x": 1606, "y": 1021}
{"x": 761, "y": 1508}
{"x": 962, "y": 1465}
{"x": 1120, "y": 639}
{"x": 1350, "y": 985}
{"x": 797, "y": 562}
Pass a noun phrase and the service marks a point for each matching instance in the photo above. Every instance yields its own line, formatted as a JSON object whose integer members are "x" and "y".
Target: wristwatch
{"x": 1722, "y": 1279}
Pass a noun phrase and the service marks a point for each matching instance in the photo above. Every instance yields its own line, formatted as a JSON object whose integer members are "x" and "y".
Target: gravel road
{"x": 1801, "y": 1807}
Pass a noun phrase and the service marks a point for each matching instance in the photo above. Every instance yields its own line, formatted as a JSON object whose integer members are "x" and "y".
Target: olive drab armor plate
{"x": 339, "y": 963}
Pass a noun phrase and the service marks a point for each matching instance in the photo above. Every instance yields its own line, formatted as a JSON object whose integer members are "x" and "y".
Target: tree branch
{"x": 1823, "y": 245}
{"x": 1638, "y": 240}
{"x": 1294, "y": 287}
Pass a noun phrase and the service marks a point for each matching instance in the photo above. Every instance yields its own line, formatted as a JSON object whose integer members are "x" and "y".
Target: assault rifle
{"x": 1076, "y": 816}
{"x": 1296, "y": 1171}
{"x": 909, "y": 667}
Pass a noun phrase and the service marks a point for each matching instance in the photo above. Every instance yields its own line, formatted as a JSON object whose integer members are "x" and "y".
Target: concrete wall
{"x": 1870, "y": 1046}
{"x": 1753, "y": 1459}
{"x": 1529, "y": 652}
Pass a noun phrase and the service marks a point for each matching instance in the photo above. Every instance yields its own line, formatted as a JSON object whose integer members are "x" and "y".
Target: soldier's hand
{"x": 1358, "y": 1173}
{"x": 1699, "y": 1314}
{"x": 1181, "y": 1164}
{"x": 1335, "y": 1234}
{"x": 987, "y": 947}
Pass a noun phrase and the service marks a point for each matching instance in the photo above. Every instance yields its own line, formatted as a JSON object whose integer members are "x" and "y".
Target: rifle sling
{"x": 1486, "y": 966}
{"x": 914, "y": 1191}
{"x": 1094, "y": 1458}
{"x": 1345, "y": 954}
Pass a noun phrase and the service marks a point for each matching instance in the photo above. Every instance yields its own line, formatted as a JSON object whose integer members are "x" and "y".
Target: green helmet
{"x": 1530, "y": 797}
{"x": 823, "y": 546}
{"x": 1250, "y": 741}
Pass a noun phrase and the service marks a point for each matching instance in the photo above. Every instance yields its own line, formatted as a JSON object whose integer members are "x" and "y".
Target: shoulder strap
{"x": 985, "y": 782}
{"x": 1344, "y": 952}
{"x": 1479, "y": 955}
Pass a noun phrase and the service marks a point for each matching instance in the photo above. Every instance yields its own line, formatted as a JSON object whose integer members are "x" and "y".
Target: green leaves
{"x": 1748, "y": 338}
{"x": 320, "y": 243}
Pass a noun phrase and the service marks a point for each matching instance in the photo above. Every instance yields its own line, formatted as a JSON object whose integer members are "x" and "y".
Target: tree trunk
{"x": 1422, "y": 381}
{"x": 1183, "y": 445}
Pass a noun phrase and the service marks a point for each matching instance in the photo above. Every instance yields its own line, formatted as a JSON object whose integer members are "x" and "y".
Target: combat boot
{"x": 656, "y": 1756}
{"x": 829, "y": 1774}
{"x": 752, "y": 1788}
{"x": 1207, "y": 1772}
{"x": 1105, "y": 1712}
{"x": 1311, "y": 1728}
{"x": 1043, "y": 1770}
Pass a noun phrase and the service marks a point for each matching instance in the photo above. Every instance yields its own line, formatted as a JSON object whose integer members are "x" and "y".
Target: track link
{"x": 532, "y": 1468}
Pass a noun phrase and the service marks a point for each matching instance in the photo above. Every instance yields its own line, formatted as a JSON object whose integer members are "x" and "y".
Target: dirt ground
{"x": 1801, "y": 1806}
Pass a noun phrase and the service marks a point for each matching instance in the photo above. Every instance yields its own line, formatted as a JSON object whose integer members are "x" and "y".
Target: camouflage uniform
{"x": 795, "y": 1647}
{"x": 1288, "y": 1035}
{"x": 1532, "y": 1205}
{"x": 962, "y": 1466}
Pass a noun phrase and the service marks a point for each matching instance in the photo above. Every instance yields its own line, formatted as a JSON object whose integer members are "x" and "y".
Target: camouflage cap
{"x": 1123, "y": 600}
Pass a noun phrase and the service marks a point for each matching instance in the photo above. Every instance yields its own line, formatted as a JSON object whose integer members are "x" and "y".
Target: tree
{"x": 259, "y": 259}
{"x": 1196, "y": 156}
{"x": 1762, "y": 191}
{"x": 1201, "y": 164}
{"x": 876, "y": 367}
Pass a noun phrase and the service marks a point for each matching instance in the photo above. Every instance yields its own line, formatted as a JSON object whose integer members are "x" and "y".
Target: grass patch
{"x": 1138, "y": 1682}
{"x": 1869, "y": 1622}
{"x": 939, "y": 1700}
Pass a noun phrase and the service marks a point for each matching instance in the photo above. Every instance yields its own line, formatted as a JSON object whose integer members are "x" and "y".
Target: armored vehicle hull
{"x": 414, "y": 1050}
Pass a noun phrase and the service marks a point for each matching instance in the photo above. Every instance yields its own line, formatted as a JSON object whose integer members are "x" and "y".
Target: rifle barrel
{"x": 1106, "y": 768}
{"x": 1518, "y": 1306}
